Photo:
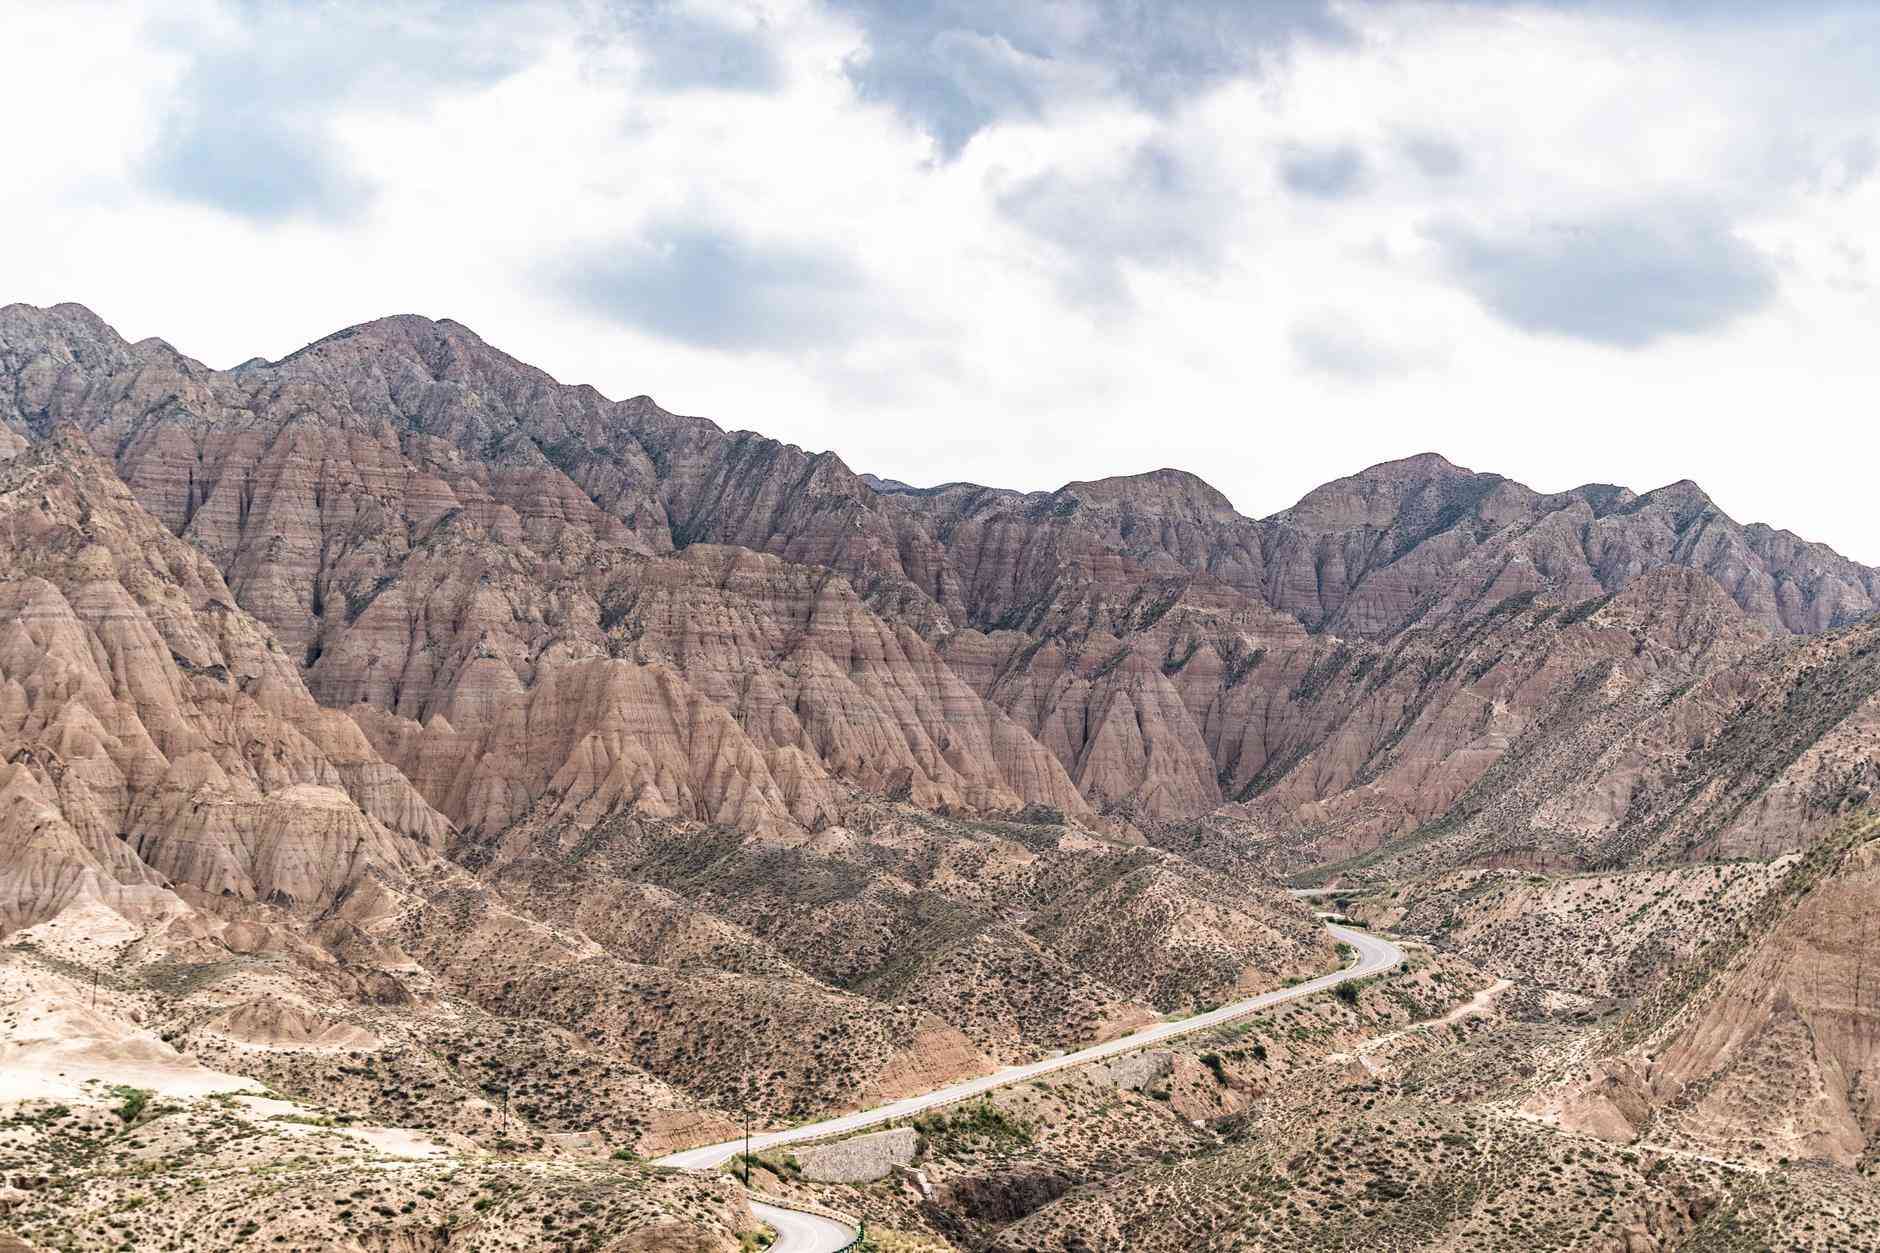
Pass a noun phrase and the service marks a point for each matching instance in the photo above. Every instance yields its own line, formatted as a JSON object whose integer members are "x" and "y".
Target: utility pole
{"x": 748, "y": 1079}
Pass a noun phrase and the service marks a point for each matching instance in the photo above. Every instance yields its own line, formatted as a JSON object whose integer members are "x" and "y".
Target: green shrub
{"x": 135, "y": 1099}
{"x": 985, "y": 1120}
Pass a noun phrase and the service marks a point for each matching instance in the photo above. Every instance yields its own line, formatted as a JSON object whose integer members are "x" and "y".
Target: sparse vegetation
{"x": 982, "y": 1120}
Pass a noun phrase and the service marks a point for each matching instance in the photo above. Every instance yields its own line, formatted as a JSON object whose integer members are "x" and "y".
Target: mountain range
{"x": 391, "y": 698}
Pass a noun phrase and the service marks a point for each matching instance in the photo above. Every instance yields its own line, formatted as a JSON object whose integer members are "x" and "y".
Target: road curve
{"x": 798, "y": 1232}
{"x": 1374, "y": 954}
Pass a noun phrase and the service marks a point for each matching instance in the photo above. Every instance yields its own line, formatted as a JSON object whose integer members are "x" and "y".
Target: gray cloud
{"x": 954, "y": 82}
{"x": 1156, "y": 210}
{"x": 1826, "y": 164}
{"x": 1625, "y": 279}
{"x": 265, "y": 168}
{"x": 1694, "y": 12}
{"x": 716, "y": 289}
{"x": 1336, "y": 351}
{"x": 1330, "y": 344}
{"x": 686, "y": 49}
{"x": 249, "y": 130}
{"x": 1437, "y": 158}
{"x": 1324, "y": 173}
{"x": 954, "y": 67}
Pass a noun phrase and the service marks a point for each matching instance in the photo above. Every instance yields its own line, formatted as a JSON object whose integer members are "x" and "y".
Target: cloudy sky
{"x": 1025, "y": 243}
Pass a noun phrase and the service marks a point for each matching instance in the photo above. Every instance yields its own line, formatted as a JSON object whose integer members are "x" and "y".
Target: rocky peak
{"x": 1164, "y": 492}
{"x": 1377, "y": 497}
{"x": 48, "y": 355}
{"x": 1684, "y": 501}
{"x": 1680, "y": 609}
{"x": 1420, "y": 465}
{"x": 1601, "y": 498}
{"x": 438, "y": 350}
{"x": 66, "y": 318}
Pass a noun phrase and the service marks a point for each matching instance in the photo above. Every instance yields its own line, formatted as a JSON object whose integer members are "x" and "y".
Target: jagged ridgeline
{"x": 534, "y": 600}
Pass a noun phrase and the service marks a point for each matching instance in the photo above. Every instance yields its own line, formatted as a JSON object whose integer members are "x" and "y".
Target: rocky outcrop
{"x": 718, "y": 685}
{"x": 384, "y": 499}
{"x": 1408, "y": 688}
{"x": 1782, "y": 1061}
{"x": 269, "y": 1023}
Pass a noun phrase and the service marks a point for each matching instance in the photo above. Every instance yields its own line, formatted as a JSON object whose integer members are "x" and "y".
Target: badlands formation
{"x": 429, "y": 791}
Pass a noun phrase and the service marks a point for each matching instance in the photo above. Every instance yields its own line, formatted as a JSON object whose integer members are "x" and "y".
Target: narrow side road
{"x": 1477, "y": 1004}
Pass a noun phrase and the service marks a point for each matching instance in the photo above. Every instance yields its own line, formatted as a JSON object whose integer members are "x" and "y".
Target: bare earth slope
{"x": 1685, "y": 739}
{"x": 161, "y": 747}
{"x": 1762, "y": 1044}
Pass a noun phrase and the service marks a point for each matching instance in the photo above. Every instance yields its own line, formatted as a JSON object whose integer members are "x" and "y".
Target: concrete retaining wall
{"x": 859, "y": 1159}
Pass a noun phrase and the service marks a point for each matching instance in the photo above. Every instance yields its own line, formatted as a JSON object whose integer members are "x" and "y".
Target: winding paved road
{"x": 798, "y": 1232}
{"x": 1375, "y": 954}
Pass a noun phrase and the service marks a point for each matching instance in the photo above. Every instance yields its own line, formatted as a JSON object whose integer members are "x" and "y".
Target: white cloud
{"x": 1268, "y": 254}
